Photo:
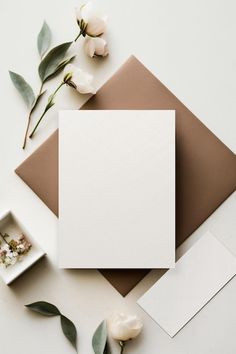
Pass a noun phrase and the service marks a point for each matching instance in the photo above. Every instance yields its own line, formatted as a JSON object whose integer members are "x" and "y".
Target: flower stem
{"x": 48, "y": 106}
{"x": 78, "y": 36}
{"x": 27, "y": 129}
{"x": 41, "y": 89}
{"x": 29, "y": 117}
{"x": 58, "y": 88}
{"x": 122, "y": 346}
{"x": 39, "y": 121}
{"x": 4, "y": 238}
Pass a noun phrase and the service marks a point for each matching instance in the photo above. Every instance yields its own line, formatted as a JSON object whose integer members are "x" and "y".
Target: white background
{"x": 190, "y": 46}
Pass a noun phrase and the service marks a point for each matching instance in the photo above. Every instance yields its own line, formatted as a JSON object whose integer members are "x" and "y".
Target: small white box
{"x": 11, "y": 225}
{"x": 117, "y": 189}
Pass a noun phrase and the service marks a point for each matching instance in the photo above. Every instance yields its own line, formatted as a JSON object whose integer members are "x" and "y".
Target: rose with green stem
{"x": 124, "y": 327}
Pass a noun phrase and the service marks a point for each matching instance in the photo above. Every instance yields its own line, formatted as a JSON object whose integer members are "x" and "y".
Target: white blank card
{"x": 199, "y": 274}
{"x": 117, "y": 189}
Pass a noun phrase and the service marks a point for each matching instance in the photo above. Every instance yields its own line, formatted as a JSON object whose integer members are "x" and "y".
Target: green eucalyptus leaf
{"x": 65, "y": 62}
{"x": 99, "y": 341}
{"x": 49, "y": 64}
{"x": 61, "y": 66}
{"x": 37, "y": 100}
{"x": 44, "y": 39}
{"x": 107, "y": 349}
{"x": 23, "y": 88}
{"x": 69, "y": 330}
{"x": 44, "y": 308}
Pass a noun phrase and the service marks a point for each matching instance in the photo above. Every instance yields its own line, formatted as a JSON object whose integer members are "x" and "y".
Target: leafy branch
{"x": 51, "y": 64}
{"x": 54, "y": 60}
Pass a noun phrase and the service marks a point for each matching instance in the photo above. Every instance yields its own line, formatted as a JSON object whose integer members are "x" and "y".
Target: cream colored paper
{"x": 199, "y": 274}
{"x": 117, "y": 189}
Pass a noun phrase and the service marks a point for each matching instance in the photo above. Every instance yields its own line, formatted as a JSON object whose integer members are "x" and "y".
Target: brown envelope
{"x": 205, "y": 167}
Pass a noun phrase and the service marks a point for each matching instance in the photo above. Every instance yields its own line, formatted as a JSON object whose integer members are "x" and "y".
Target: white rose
{"x": 123, "y": 327}
{"x": 78, "y": 79}
{"x": 95, "y": 47}
{"x": 90, "y": 21}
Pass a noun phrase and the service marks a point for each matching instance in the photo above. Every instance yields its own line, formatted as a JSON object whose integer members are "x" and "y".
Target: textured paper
{"x": 205, "y": 167}
{"x": 182, "y": 292}
{"x": 117, "y": 189}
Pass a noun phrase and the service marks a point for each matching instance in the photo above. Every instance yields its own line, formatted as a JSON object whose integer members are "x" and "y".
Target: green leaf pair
{"x": 99, "y": 341}
{"x": 46, "y": 309}
{"x": 55, "y": 60}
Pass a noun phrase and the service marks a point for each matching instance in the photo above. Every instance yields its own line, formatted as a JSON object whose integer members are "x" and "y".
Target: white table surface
{"x": 190, "y": 46}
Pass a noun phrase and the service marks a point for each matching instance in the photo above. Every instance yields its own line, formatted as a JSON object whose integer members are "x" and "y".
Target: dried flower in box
{"x": 13, "y": 250}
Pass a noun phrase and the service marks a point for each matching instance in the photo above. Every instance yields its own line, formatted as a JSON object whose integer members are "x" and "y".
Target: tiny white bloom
{"x": 124, "y": 327}
{"x": 90, "y": 21}
{"x": 96, "y": 46}
{"x": 78, "y": 79}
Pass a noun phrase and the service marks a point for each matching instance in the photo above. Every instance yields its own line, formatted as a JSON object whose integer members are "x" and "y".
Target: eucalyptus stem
{"x": 41, "y": 89}
{"x": 29, "y": 116}
{"x": 39, "y": 121}
{"x": 27, "y": 129}
{"x": 48, "y": 106}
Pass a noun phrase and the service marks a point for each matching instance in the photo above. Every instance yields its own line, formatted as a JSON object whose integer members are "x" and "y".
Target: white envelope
{"x": 199, "y": 274}
{"x": 117, "y": 189}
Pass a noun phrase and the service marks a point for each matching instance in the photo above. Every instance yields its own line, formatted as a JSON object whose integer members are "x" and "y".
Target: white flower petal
{"x": 87, "y": 10}
{"x": 80, "y": 79}
{"x": 124, "y": 327}
{"x": 84, "y": 11}
{"x": 89, "y": 47}
{"x": 70, "y": 69}
{"x": 95, "y": 26}
{"x": 95, "y": 46}
{"x": 100, "y": 46}
{"x": 86, "y": 89}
